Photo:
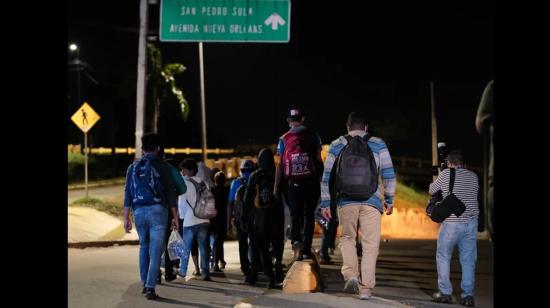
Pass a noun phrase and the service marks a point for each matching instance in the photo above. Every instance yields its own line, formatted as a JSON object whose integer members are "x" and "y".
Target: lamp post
{"x": 74, "y": 48}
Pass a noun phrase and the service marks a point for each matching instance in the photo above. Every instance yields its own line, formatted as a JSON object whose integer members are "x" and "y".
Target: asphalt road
{"x": 406, "y": 277}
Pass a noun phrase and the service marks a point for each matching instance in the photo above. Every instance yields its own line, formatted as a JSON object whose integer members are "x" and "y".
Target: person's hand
{"x": 127, "y": 224}
{"x": 175, "y": 224}
{"x": 389, "y": 208}
{"x": 326, "y": 213}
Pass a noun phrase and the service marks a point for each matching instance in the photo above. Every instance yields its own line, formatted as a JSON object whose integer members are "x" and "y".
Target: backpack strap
{"x": 195, "y": 183}
{"x": 452, "y": 180}
{"x": 367, "y": 137}
{"x": 348, "y": 137}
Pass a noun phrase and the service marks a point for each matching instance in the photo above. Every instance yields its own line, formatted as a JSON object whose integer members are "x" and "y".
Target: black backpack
{"x": 264, "y": 197}
{"x": 238, "y": 207}
{"x": 356, "y": 173}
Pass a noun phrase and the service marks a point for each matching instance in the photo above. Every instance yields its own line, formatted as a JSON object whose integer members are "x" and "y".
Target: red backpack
{"x": 298, "y": 160}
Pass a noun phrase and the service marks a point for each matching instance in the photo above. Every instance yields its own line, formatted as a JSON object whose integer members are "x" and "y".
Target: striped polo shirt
{"x": 466, "y": 188}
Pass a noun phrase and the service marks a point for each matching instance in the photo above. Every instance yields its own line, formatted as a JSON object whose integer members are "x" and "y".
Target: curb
{"x": 82, "y": 245}
{"x": 303, "y": 277}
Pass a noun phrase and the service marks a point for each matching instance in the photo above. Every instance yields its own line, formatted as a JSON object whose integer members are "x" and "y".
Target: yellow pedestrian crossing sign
{"x": 85, "y": 117}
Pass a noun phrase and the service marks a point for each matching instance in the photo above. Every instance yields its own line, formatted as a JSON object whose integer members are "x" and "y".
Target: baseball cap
{"x": 295, "y": 113}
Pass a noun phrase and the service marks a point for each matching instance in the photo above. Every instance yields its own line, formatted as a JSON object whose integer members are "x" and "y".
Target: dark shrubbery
{"x": 99, "y": 167}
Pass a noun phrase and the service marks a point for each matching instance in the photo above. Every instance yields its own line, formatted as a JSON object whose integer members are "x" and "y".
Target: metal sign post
{"x": 85, "y": 117}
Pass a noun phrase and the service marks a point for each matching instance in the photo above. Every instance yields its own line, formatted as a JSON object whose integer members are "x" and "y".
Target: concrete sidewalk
{"x": 89, "y": 225}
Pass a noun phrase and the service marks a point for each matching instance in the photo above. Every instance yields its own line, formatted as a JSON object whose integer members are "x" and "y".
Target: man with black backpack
{"x": 300, "y": 162}
{"x": 241, "y": 218}
{"x": 350, "y": 177}
{"x": 267, "y": 229}
{"x": 150, "y": 193}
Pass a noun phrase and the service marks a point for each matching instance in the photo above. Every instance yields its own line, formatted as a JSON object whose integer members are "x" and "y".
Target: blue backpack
{"x": 147, "y": 188}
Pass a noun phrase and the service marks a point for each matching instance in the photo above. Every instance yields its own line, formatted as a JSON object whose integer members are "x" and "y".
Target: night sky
{"x": 378, "y": 57}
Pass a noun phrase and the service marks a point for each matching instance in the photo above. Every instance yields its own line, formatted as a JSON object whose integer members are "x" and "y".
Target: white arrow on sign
{"x": 275, "y": 20}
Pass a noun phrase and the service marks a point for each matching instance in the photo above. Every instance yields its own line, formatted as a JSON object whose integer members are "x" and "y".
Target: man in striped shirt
{"x": 457, "y": 231}
{"x": 365, "y": 213}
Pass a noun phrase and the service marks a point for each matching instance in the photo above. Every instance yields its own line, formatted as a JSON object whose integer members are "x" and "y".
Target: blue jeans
{"x": 463, "y": 235}
{"x": 200, "y": 234}
{"x": 151, "y": 228}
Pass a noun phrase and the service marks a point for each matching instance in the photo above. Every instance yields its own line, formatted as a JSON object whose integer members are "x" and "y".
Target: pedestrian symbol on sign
{"x": 84, "y": 119}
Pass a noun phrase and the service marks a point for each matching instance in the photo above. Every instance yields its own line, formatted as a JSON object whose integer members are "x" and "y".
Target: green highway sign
{"x": 266, "y": 21}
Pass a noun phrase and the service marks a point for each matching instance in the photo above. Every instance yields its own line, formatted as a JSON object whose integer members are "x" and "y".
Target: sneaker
{"x": 467, "y": 301}
{"x": 170, "y": 276}
{"x": 352, "y": 285}
{"x": 206, "y": 278}
{"x": 442, "y": 298}
{"x": 151, "y": 294}
{"x": 365, "y": 295}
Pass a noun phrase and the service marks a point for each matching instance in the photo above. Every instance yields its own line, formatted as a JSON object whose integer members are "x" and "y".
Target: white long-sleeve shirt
{"x": 186, "y": 212}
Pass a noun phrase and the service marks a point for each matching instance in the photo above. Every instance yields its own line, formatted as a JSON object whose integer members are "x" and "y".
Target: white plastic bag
{"x": 175, "y": 246}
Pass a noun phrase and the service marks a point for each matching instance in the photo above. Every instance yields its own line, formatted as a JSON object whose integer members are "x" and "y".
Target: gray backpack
{"x": 356, "y": 174}
{"x": 205, "y": 206}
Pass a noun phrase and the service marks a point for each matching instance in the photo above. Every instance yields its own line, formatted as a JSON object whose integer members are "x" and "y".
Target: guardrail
{"x": 108, "y": 151}
{"x": 403, "y": 165}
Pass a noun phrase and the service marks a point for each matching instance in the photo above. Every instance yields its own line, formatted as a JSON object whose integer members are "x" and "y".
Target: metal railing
{"x": 108, "y": 151}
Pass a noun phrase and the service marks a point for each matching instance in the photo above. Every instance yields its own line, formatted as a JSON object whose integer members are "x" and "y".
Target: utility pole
{"x": 203, "y": 105}
{"x": 142, "y": 71}
{"x": 434, "y": 128}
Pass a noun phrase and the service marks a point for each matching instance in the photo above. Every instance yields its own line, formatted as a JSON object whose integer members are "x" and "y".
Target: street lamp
{"x": 73, "y": 47}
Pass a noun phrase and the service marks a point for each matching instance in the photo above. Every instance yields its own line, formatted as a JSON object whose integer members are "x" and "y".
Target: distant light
{"x": 73, "y": 47}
